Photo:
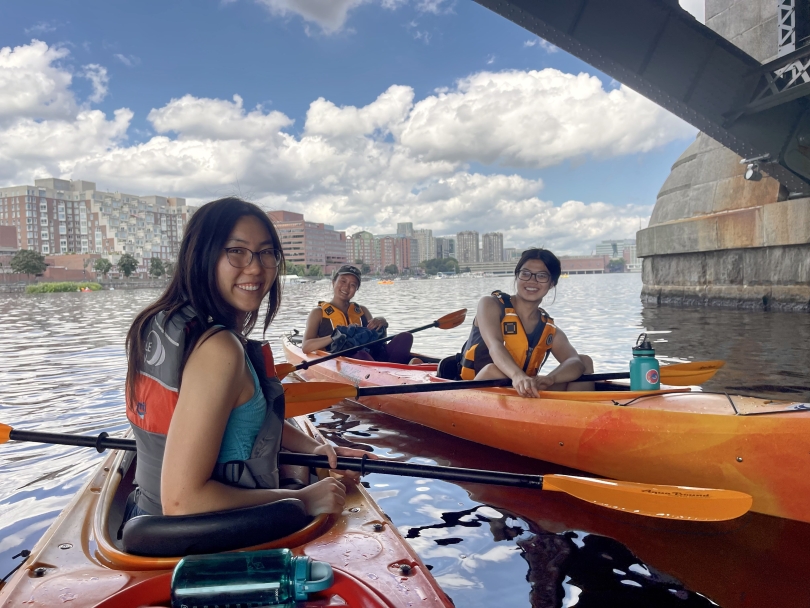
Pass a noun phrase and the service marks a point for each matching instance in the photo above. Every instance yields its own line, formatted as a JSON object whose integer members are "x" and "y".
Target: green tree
{"x": 437, "y": 265}
{"x": 298, "y": 269}
{"x": 364, "y": 268}
{"x": 102, "y": 266}
{"x": 391, "y": 269}
{"x": 156, "y": 268}
{"x": 168, "y": 268}
{"x": 314, "y": 271}
{"x": 616, "y": 265}
{"x": 127, "y": 264}
{"x": 27, "y": 261}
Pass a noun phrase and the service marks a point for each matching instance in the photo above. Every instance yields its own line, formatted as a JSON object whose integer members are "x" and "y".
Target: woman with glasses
{"x": 512, "y": 336}
{"x": 206, "y": 408}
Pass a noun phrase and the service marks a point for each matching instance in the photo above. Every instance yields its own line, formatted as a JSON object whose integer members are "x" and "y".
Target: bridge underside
{"x": 715, "y": 237}
{"x": 661, "y": 51}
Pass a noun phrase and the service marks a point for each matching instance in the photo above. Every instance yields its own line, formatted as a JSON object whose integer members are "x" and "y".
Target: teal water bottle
{"x": 644, "y": 371}
{"x": 273, "y": 577}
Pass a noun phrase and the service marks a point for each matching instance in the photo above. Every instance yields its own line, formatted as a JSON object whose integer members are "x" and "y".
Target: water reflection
{"x": 62, "y": 368}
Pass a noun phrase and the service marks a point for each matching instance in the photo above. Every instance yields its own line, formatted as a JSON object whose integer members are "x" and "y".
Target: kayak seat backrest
{"x": 181, "y": 535}
{"x": 450, "y": 367}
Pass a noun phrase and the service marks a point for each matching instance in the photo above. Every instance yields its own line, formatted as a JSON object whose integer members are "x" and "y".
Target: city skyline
{"x": 442, "y": 112}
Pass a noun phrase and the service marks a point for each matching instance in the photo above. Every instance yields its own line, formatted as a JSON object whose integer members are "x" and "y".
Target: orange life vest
{"x": 529, "y": 352}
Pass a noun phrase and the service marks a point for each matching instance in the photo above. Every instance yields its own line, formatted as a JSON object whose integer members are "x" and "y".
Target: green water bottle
{"x": 273, "y": 577}
{"x": 644, "y": 371}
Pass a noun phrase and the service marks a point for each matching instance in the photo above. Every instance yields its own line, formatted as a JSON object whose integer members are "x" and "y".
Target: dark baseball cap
{"x": 348, "y": 269}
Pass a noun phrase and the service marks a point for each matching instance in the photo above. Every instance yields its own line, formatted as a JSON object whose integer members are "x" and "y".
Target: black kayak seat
{"x": 181, "y": 535}
{"x": 449, "y": 368}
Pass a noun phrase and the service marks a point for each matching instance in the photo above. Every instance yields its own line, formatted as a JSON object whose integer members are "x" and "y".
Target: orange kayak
{"x": 80, "y": 563}
{"x": 757, "y": 446}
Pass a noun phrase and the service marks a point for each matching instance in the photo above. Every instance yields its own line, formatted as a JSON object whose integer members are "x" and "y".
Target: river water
{"x": 62, "y": 369}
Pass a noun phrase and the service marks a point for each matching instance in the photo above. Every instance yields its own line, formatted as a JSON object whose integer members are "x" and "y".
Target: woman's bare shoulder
{"x": 222, "y": 346}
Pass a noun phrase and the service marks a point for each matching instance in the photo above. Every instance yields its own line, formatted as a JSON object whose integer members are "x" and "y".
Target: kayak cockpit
{"x": 154, "y": 543}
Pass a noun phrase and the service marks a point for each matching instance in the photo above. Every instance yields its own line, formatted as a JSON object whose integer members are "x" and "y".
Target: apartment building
{"x": 363, "y": 246}
{"x": 399, "y": 250}
{"x": 405, "y": 229}
{"x": 492, "y": 247}
{"x": 57, "y": 216}
{"x": 511, "y": 253}
{"x": 467, "y": 247}
{"x": 309, "y": 243}
{"x": 427, "y": 244}
{"x": 445, "y": 247}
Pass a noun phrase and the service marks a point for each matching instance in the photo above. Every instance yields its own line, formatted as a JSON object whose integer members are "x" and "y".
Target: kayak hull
{"x": 77, "y": 562}
{"x": 760, "y": 447}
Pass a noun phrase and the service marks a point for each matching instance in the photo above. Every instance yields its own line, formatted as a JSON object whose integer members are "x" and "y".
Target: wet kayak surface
{"x": 62, "y": 367}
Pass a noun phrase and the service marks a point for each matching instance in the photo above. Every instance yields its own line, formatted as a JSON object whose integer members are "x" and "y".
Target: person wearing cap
{"x": 340, "y": 311}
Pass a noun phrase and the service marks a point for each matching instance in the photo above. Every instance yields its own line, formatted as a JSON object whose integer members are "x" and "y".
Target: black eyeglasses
{"x": 241, "y": 257}
{"x": 527, "y": 275}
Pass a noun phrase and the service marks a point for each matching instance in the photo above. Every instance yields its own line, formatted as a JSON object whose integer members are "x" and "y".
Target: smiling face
{"x": 531, "y": 290}
{"x": 344, "y": 287}
{"x": 245, "y": 288}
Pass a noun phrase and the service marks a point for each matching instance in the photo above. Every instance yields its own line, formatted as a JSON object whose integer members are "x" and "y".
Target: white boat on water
{"x": 288, "y": 279}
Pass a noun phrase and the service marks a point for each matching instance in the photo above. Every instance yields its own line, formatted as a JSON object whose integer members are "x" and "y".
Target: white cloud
{"x": 128, "y": 60}
{"x": 535, "y": 119}
{"x": 43, "y": 27}
{"x": 543, "y": 44}
{"x": 436, "y": 7}
{"x": 33, "y": 84}
{"x": 194, "y": 118}
{"x": 97, "y": 75}
{"x": 356, "y": 167}
{"x": 43, "y": 128}
{"x": 330, "y": 15}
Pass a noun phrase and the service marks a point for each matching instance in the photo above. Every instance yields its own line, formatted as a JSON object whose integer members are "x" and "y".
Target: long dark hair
{"x": 194, "y": 281}
{"x": 551, "y": 261}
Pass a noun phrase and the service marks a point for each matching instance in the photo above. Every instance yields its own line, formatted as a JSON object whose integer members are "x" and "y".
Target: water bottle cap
{"x": 643, "y": 346}
{"x": 311, "y": 576}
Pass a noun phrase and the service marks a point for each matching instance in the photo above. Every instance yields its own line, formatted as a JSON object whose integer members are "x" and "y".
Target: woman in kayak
{"x": 512, "y": 336}
{"x": 356, "y": 323}
{"x": 205, "y": 406}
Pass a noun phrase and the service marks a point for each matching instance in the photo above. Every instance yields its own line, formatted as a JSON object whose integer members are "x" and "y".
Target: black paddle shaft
{"x": 434, "y": 387}
{"x": 363, "y": 465}
{"x": 354, "y": 349}
{"x": 101, "y": 442}
{"x": 410, "y": 469}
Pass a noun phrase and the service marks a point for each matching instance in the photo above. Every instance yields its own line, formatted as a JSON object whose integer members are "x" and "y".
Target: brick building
{"x": 309, "y": 243}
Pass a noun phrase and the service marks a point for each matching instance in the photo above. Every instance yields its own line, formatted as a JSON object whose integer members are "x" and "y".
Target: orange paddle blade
{"x": 695, "y": 366}
{"x": 5, "y": 432}
{"x": 284, "y": 369}
{"x": 454, "y": 319}
{"x": 689, "y": 374}
{"x": 306, "y": 397}
{"x": 668, "y": 502}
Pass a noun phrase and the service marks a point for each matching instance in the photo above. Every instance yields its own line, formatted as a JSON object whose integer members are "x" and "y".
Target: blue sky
{"x": 487, "y": 127}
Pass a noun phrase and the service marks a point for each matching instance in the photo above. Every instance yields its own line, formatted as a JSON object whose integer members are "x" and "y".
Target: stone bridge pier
{"x": 714, "y": 237}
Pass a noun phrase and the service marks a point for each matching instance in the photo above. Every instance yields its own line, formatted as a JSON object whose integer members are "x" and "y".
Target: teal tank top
{"x": 244, "y": 424}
